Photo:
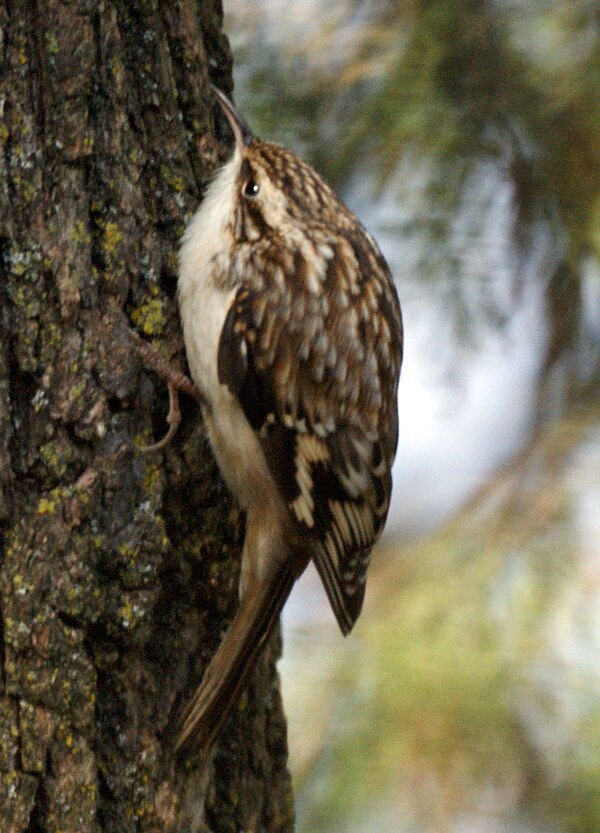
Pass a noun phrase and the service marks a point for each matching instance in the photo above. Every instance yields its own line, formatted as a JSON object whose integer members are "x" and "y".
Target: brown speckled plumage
{"x": 300, "y": 373}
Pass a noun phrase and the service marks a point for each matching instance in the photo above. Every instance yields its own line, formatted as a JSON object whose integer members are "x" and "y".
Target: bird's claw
{"x": 173, "y": 418}
{"x": 176, "y": 381}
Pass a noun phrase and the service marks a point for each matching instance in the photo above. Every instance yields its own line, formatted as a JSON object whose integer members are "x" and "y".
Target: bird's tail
{"x": 227, "y": 673}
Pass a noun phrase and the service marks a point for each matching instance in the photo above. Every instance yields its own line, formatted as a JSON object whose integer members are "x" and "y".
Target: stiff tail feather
{"x": 227, "y": 673}
{"x": 345, "y": 598}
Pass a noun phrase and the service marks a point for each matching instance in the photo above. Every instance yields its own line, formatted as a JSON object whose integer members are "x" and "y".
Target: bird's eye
{"x": 251, "y": 188}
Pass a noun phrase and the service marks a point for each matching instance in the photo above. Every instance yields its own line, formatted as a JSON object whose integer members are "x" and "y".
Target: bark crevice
{"x": 118, "y": 570}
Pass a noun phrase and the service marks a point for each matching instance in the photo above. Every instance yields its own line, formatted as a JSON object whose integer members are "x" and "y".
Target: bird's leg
{"x": 154, "y": 360}
{"x": 173, "y": 418}
{"x": 176, "y": 381}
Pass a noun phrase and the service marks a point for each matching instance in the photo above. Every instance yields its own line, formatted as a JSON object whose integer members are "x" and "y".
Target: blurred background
{"x": 466, "y": 136}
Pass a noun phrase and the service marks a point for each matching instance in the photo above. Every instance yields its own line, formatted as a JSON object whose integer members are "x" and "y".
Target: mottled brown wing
{"x": 316, "y": 372}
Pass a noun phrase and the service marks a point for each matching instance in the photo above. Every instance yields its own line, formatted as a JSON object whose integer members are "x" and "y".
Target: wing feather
{"x": 317, "y": 379}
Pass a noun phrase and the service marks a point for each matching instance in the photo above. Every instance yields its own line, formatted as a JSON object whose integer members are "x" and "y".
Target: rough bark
{"x": 118, "y": 570}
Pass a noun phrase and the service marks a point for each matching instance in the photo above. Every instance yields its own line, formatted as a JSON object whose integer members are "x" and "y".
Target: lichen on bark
{"x": 118, "y": 570}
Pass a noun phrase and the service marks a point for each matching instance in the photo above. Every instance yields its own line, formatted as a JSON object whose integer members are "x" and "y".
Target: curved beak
{"x": 241, "y": 131}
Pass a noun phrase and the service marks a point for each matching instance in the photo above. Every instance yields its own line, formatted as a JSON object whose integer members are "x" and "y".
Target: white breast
{"x": 203, "y": 304}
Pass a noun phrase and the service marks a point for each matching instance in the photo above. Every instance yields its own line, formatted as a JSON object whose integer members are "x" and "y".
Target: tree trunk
{"x": 119, "y": 569}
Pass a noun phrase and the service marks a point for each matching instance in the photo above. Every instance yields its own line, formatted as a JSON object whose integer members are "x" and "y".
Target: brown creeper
{"x": 293, "y": 336}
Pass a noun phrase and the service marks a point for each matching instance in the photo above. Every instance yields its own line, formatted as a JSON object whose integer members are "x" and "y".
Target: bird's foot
{"x": 176, "y": 381}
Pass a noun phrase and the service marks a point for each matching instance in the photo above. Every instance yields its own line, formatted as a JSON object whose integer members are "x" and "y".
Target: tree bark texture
{"x": 119, "y": 569}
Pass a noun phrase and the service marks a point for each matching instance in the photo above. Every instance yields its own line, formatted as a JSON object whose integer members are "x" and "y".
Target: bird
{"x": 293, "y": 336}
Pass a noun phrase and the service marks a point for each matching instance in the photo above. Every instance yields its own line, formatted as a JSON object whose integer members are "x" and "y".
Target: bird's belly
{"x": 203, "y": 311}
{"x": 239, "y": 453}
{"x": 234, "y": 442}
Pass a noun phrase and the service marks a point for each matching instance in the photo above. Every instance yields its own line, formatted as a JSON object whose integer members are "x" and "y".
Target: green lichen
{"x": 111, "y": 238}
{"x": 142, "y": 439}
{"x": 46, "y": 506}
{"x": 29, "y": 190}
{"x": 116, "y": 67}
{"x": 88, "y": 144}
{"x": 49, "y": 503}
{"x": 51, "y": 337}
{"x": 150, "y": 317}
{"x": 20, "y": 586}
{"x": 55, "y": 463}
{"x": 76, "y": 391}
{"x": 51, "y": 43}
{"x": 19, "y": 296}
{"x": 130, "y": 614}
{"x": 79, "y": 233}
{"x": 173, "y": 180}
{"x": 151, "y": 478}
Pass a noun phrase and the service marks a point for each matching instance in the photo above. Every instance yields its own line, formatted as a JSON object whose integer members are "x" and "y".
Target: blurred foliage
{"x": 472, "y": 698}
{"x": 449, "y": 80}
{"x": 461, "y": 84}
{"x": 461, "y": 643}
